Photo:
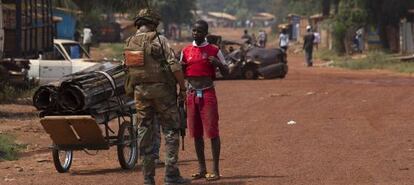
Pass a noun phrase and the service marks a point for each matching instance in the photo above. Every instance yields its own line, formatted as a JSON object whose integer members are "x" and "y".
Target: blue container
{"x": 66, "y": 27}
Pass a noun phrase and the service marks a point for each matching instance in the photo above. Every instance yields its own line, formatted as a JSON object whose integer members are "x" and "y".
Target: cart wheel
{"x": 62, "y": 159}
{"x": 127, "y": 147}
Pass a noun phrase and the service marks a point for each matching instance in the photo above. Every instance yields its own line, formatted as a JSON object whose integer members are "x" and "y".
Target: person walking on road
{"x": 284, "y": 40}
{"x": 247, "y": 39}
{"x": 308, "y": 42}
{"x": 200, "y": 60}
{"x": 317, "y": 40}
{"x": 153, "y": 73}
{"x": 262, "y": 37}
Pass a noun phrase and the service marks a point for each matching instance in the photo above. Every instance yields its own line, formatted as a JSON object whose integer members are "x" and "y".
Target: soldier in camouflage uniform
{"x": 153, "y": 84}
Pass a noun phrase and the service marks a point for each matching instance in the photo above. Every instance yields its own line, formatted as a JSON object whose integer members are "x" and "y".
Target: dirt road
{"x": 346, "y": 128}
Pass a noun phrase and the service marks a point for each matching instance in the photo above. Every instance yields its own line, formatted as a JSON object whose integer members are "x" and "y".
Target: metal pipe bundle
{"x": 45, "y": 97}
{"x": 98, "y": 93}
{"x": 81, "y": 93}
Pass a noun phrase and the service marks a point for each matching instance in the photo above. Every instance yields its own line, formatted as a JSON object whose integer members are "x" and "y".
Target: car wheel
{"x": 250, "y": 73}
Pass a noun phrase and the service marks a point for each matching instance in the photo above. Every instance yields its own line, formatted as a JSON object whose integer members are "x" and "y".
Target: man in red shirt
{"x": 200, "y": 60}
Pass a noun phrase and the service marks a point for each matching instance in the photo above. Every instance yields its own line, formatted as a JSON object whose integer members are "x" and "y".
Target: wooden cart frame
{"x": 81, "y": 132}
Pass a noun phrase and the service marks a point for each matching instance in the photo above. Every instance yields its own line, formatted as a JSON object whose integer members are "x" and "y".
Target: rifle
{"x": 183, "y": 120}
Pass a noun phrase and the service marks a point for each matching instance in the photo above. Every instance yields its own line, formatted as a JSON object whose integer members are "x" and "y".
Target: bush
{"x": 327, "y": 55}
{"x": 8, "y": 149}
{"x": 10, "y": 94}
{"x": 375, "y": 60}
{"x": 350, "y": 17}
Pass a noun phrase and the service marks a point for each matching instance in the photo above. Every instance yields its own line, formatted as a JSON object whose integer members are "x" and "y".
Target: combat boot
{"x": 178, "y": 180}
{"x": 149, "y": 181}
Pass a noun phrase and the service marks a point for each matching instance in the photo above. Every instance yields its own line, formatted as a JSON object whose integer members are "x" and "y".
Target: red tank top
{"x": 197, "y": 63}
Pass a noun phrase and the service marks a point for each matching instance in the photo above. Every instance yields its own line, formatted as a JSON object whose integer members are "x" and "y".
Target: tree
{"x": 350, "y": 17}
{"x": 326, "y": 7}
{"x": 386, "y": 15}
{"x": 174, "y": 11}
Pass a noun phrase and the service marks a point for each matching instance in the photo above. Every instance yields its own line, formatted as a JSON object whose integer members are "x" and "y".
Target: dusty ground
{"x": 349, "y": 128}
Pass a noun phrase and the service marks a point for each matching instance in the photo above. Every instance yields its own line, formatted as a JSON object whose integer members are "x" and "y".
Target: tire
{"x": 278, "y": 70}
{"x": 250, "y": 73}
{"x": 127, "y": 143}
{"x": 285, "y": 71}
{"x": 62, "y": 166}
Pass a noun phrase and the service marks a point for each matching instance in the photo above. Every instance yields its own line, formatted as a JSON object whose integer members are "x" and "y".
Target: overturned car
{"x": 250, "y": 62}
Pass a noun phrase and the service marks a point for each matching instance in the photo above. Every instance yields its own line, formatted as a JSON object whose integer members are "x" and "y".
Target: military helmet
{"x": 148, "y": 15}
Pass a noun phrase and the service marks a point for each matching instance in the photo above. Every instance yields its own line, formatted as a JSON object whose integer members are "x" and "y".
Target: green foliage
{"x": 108, "y": 6}
{"x": 175, "y": 11}
{"x": 9, "y": 94}
{"x": 8, "y": 149}
{"x": 374, "y": 60}
{"x": 350, "y": 17}
{"x": 178, "y": 11}
{"x": 305, "y": 8}
{"x": 386, "y": 13}
{"x": 327, "y": 55}
{"x": 112, "y": 50}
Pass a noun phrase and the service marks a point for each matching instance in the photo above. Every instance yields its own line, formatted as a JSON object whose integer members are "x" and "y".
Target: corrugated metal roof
{"x": 222, "y": 15}
{"x": 264, "y": 16}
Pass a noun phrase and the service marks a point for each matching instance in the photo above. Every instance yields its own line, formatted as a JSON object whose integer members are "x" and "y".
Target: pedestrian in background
{"x": 308, "y": 42}
{"x": 284, "y": 40}
{"x": 87, "y": 38}
{"x": 317, "y": 39}
{"x": 262, "y": 37}
{"x": 247, "y": 39}
{"x": 254, "y": 40}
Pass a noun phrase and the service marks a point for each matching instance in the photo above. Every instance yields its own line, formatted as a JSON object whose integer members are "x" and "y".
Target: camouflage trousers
{"x": 157, "y": 98}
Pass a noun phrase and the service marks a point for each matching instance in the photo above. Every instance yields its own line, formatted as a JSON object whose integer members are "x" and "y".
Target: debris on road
{"x": 278, "y": 95}
{"x": 43, "y": 160}
{"x": 310, "y": 93}
{"x": 7, "y": 179}
{"x": 18, "y": 168}
{"x": 291, "y": 122}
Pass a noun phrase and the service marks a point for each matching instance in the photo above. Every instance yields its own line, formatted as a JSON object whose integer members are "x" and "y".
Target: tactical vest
{"x": 151, "y": 71}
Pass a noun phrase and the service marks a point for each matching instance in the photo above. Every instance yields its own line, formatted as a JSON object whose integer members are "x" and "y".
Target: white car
{"x": 67, "y": 57}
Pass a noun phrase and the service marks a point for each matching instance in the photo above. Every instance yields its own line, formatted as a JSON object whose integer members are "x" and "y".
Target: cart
{"x": 82, "y": 132}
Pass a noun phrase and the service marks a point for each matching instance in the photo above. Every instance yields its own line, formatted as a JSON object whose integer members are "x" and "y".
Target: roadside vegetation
{"x": 108, "y": 51}
{"x": 8, "y": 148}
{"x": 371, "y": 60}
{"x": 10, "y": 94}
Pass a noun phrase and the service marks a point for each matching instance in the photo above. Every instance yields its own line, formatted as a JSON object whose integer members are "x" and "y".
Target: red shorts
{"x": 202, "y": 114}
